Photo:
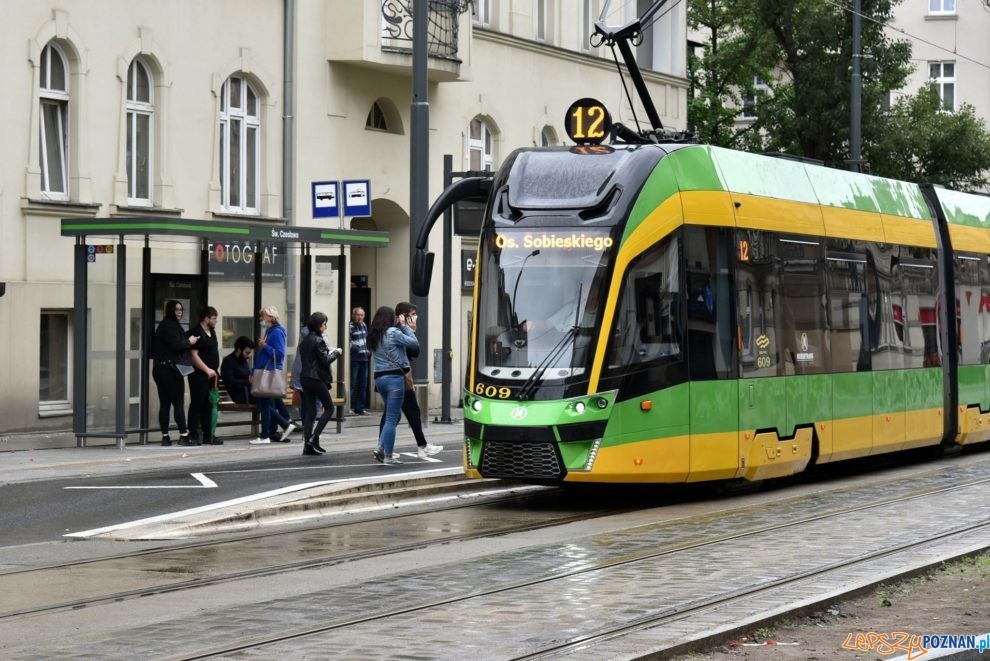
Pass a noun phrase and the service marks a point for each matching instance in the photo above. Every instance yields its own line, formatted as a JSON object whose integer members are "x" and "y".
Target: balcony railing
{"x": 397, "y": 26}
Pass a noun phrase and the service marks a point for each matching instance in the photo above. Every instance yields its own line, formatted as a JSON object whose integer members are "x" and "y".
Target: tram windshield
{"x": 539, "y": 301}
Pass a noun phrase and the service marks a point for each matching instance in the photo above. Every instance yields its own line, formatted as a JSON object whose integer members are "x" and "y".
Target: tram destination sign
{"x": 555, "y": 241}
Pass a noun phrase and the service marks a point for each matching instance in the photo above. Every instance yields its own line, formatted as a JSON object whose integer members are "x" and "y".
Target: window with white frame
{"x": 751, "y": 99}
{"x": 480, "y": 141}
{"x": 944, "y": 76}
{"x": 481, "y": 12}
{"x": 941, "y": 7}
{"x": 140, "y": 128}
{"x": 240, "y": 145}
{"x": 541, "y": 20}
{"x": 54, "y": 361}
{"x": 548, "y": 137}
{"x": 587, "y": 25}
{"x": 53, "y": 93}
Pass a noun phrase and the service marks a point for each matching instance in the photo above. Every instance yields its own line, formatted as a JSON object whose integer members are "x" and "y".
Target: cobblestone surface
{"x": 660, "y": 568}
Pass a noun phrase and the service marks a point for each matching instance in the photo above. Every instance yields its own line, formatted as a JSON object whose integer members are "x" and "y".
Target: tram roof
{"x": 703, "y": 167}
{"x": 220, "y": 229}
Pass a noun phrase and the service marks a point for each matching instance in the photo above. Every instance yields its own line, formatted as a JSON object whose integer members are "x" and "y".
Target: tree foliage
{"x": 924, "y": 143}
{"x": 724, "y": 69}
{"x": 809, "y": 111}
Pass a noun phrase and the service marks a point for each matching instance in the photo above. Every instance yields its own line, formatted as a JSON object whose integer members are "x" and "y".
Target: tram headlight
{"x": 476, "y": 405}
{"x": 579, "y": 407}
{"x": 601, "y": 402}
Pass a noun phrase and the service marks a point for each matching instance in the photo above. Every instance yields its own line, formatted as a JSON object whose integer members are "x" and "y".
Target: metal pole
{"x": 121, "y": 342}
{"x": 419, "y": 175}
{"x": 288, "y": 161}
{"x": 147, "y": 328}
{"x": 446, "y": 369}
{"x": 79, "y": 299}
{"x": 856, "y": 102}
{"x": 258, "y": 257}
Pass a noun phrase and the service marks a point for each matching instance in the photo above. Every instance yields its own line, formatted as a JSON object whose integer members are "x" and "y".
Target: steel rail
{"x": 627, "y": 560}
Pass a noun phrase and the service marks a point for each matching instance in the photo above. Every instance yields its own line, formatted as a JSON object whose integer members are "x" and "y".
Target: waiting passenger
{"x": 235, "y": 371}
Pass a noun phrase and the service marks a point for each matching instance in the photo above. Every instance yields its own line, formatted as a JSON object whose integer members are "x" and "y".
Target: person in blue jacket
{"x": 389, "y": 336}
{"x": 270, "y": 355}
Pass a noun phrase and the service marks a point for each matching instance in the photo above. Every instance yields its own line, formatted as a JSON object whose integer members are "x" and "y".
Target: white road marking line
{"x": 204, "y": 483}
{"x": 247, "y": 499}
{"x": 413, "y": 454}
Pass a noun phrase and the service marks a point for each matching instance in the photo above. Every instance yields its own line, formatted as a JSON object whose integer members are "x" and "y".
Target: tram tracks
{"x": 172, "y": 555}
{"x": 651, "y": 620}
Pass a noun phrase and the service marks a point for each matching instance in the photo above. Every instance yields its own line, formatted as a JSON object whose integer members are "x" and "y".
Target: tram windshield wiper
{"x": 555, "y": 353}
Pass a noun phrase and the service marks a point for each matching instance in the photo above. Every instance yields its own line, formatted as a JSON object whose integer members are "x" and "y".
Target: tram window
{"x": 886, "y": 344}
{"x": 848, "y": 319}
{"x": 916, "y": 282}
{"x": 801, "y": 317}
{"x": 756, "y": 286}
{"x": 984, "y": 309}
{"x": 707, "y": 254}
{"x": 968, "y": 304}
{"x": 646, "y": 350}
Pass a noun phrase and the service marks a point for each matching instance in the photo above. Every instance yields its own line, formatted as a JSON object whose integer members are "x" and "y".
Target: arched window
{"x": 480, "y": 145}
{"x": 376, "y": 118}
{"x": 140, "y": 132}
{"x": 240, "y": 145}
{"x": 548, "y": 137}
{"x": 53, "y": 93}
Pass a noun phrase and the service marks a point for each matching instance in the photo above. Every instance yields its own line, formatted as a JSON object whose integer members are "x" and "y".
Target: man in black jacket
{"x": 206, "y": 361}
{"x": 236, "y": 371}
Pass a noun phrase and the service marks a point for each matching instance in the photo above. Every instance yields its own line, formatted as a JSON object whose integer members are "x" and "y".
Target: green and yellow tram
{"x": 680, "y": 313}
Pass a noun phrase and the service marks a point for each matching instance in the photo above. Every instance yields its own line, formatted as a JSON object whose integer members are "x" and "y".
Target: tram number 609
{"x": 491, "y": 391}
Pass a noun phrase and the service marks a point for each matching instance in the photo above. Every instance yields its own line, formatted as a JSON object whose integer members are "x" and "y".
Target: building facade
{"x": 176, "y": 111}
{"x": 949, "y": 45}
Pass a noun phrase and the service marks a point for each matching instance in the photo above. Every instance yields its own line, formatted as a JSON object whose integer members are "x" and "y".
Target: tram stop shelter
{"x": 111, "y": 347}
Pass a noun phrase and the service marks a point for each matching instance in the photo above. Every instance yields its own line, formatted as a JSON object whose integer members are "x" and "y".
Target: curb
{"x": 340, "y": 497}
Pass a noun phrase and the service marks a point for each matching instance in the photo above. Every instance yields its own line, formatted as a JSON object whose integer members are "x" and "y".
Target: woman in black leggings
{"x": 170, "y": 350}
{"x": 315, "y": 376}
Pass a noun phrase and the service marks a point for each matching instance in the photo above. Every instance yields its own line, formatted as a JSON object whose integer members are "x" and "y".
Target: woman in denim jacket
{"x": 388, "y": 337}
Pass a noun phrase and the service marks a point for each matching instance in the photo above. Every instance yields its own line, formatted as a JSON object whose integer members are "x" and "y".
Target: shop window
{"x": 54, "y": 363}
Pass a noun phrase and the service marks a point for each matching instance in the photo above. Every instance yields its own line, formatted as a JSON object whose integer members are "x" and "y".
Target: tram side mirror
{"x": 422, "y": 272}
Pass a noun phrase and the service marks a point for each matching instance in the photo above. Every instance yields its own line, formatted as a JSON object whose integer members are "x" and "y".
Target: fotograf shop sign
{"x": 357, "y": 197}
{"x": 235, "y": 261}
{"x": 325, "y": 199}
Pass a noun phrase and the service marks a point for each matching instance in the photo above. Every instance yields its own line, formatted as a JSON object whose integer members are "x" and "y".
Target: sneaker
{"x": 166, "y": 441}
{"x": 392, "y": 459}
{"x": 379, "y": 454}
{"x": 429, "y": 450}
{"x": 260, "y": 441}
{"x": 288, "y": 432}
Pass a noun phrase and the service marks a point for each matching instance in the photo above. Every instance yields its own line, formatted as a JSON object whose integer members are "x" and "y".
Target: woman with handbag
{"x": 388, "y": 338}
{"x": 268, "y": 381}
{"x": 170, "y": 351}
{"x": 316, "y": 377}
